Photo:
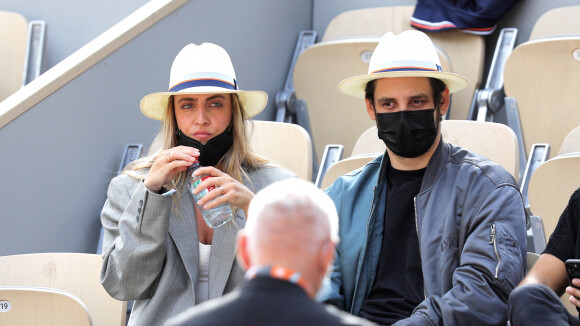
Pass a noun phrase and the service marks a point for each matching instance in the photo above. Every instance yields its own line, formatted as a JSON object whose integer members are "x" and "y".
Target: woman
{"x": 157, "y": 249}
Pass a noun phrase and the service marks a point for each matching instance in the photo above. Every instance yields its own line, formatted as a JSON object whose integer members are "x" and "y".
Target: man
{"x": 536, "y": 300}
{"x": 287, "y": 245}
{"x": 431, "y": 233}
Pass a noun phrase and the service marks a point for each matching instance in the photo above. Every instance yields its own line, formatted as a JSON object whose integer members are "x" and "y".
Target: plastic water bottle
{"x": 213, "y": 217}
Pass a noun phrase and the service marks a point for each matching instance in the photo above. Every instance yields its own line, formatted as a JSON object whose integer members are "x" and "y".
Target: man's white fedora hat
{"x": 409, "y": 54}
{"x": 202, "y": 69}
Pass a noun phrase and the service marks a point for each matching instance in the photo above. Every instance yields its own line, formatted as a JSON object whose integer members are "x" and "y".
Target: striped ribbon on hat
{"x": 205, "y": 79}
{"x": 409, "y": 65}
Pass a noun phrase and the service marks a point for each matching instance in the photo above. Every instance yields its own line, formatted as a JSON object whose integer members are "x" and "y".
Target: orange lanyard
{"x": 282, "y": 273}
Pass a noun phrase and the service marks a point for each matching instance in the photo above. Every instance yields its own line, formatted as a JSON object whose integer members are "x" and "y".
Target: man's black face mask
{"x": 407, "y": 133}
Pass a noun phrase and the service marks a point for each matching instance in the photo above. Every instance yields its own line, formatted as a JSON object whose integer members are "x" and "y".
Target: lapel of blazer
{"x": 223, "y": 254}
{"x": 183, "y": 231}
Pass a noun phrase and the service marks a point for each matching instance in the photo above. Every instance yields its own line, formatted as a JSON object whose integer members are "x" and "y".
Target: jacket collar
{"x": 436, "y": 165}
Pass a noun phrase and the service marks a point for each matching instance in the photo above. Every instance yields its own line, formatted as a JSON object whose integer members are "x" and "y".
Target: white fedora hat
{"x": 202, "y": 69}
{"x": 409, "y": 54}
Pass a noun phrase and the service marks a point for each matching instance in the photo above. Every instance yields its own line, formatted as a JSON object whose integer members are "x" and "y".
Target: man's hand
{"x": 574, "y": 292}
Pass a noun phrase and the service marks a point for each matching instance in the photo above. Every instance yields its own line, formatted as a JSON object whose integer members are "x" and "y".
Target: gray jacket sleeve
{"x": 136, "y": 223}
{"x": 491, "y": 264}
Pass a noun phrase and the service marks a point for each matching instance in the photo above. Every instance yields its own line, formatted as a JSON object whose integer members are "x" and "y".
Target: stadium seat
{"x": 571, "y": 143}
{"x": 76, "y": 273}
{"x": 499, "y": 108}
{"x": 466, "y": 52}
{"x": 495, "y": 141}
{"x": 542, "y": 77}
{"x": 336, "y": 118}
{"x": 550, "y": 188}
{"x": 13, "y": 38}
{"x": 41, "y": 307}
{"x": 345, "y": 166}
{"x": 368, "y": 142}
{"x": 532, "y": 258}
{"x": 562, "y": 21}
{"x": 286, "y": 144}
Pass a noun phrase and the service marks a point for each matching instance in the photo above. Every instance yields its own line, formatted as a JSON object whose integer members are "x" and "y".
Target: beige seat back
{"x": 466, "y": 52}
{"x": 76, "y": 273}
{"x": 13, "y": 39}
{"x": 559, "y": 21}
{"x": 286, "y": 144}
{"x": 344, "y": 166}
{"x": 542, "y": 76}
{"x": 336, "y": 118}
{"x": 571, "y": 143}
{"x": 41, "y": 307}
{"x": 549, "y": 191}
{"x": 368, "y": 142}
{"x": 550, "y": 188}
{"x": 495, "y": 141}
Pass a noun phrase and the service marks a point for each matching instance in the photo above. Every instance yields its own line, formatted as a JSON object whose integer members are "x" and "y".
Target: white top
{"x": 202, "y": 290}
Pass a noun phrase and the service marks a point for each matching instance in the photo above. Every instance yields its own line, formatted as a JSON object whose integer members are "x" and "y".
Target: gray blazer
{"x": 151, "y": 248}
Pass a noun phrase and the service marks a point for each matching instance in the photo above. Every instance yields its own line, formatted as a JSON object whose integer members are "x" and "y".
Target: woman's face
{"x": 203, "y": 116}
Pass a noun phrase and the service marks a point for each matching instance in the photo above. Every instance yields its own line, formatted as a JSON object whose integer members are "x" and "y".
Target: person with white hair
{"x": 286, "y": 247}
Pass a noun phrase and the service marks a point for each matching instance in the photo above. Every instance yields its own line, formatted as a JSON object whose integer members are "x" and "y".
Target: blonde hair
{"x": 234, "y": 162}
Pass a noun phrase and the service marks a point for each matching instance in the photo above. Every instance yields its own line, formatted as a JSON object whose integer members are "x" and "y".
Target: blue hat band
{"x": 204, "y": 82}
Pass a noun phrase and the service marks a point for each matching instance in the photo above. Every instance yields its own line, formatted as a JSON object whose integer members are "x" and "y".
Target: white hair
{"x": 293, "y": 195}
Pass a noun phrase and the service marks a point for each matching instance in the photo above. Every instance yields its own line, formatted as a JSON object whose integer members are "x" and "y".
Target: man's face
{"x": 405, "y": 93}
{"x": 403, "y": 108}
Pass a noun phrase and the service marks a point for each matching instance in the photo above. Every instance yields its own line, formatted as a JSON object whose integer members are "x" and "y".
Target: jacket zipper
{"x": 493, "y": 241}
{"x": 365, "y": 249}
{"x": 418, "y": 240}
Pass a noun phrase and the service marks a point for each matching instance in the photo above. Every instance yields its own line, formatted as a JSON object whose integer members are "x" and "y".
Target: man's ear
{"x": 326, "y": 255}
{"x": 370, "y": 109}
{"x": 242, "y": 254}
{"x": 444, "y": 105}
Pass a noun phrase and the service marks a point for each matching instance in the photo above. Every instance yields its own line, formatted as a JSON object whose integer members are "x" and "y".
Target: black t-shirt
{"x": 398, "y": 285}
{"x": 564, "y": 242}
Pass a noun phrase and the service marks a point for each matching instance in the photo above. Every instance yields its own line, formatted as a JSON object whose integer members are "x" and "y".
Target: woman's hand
{"x": 167, "y": 164}
{"x": 223, "y": 184}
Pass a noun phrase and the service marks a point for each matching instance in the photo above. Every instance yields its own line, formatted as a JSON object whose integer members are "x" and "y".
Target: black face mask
{"x": 407, "y": 133}
{"x": 213, "y": 150}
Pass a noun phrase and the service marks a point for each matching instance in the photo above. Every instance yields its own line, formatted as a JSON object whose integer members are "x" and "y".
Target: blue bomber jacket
{"x": 471, "y": 227}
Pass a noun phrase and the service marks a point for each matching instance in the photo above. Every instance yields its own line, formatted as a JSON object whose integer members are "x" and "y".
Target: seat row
{"x": 350, "y": 38}
{"x": 22, "y": 48}
{"x": 56, "y": 289}
{"x": 538, "y": 104}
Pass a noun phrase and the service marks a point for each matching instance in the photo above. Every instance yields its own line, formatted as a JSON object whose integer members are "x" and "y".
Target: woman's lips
{"x": 202, "y": 135}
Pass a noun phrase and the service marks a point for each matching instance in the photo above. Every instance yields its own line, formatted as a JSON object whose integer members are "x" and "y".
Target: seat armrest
{"x": 491, "y": 98}
{"x": 131, "y": 153}
{"x": 538, "y": 155}
{"x": 538, "y": 234}
{"x": 285, "y": 98}
{"x": 331, "y": 155}
{"x": 34, "y": 60}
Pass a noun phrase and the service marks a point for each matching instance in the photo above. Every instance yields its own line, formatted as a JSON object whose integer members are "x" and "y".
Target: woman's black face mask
{"x": 407, "y": 133}
{"x": 213, "y": 150}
